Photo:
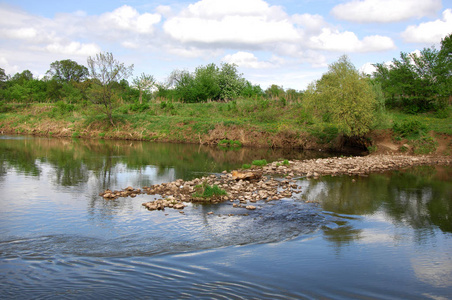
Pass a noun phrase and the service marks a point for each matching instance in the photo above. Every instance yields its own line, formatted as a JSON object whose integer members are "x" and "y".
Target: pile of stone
{"x": 251, "y": 189}
{"x": 359, "y": 165}
{"x": 251, "y": 186}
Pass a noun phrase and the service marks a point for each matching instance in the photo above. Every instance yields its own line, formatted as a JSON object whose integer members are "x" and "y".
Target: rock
{"x": 250, "y": 207}
{"x": 245, "y": 176}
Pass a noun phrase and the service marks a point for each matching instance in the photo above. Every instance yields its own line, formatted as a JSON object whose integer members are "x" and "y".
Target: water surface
{"x": 382, "y": 236}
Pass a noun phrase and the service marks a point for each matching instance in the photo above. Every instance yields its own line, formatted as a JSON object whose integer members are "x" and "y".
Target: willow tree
{"x": 105, "y": 71}
{"x": 343, "y": 97}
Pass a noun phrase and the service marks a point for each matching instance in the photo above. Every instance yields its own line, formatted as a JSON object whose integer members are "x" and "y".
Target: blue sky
{"x": 287, "y": 42}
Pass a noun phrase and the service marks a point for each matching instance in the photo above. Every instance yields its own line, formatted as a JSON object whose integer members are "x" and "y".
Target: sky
{"x": 288, "y": 42}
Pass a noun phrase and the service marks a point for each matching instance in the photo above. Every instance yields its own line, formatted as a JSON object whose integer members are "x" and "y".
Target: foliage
{"x": 259, "y": 163}
{"x": 206, "y": 83}
{"x": 409, "y": 128}
{"x": 67, "y": 70}
{"x": 143, "y": 83}
{"x": 229, "y": 143}
{"x": 105, "y": 71}
{"x": 418, "y": 82}
{"x": 206, "y": 191}
{"x": 274, "y": 91}
{"x": 344, "y": 97}
{"x": 424, "y": 145}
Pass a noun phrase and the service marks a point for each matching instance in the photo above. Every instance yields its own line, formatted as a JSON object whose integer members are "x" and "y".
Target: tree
{"x": 274, "y": 91}
{"x": 3, "y": 78}
{"x": 344, "y": 97}
{"x": 105, "y": 70}
{"x": 231, "y": 83}
{"x": 67, "y": 70}
{"x": 143, "y": 83}
{"x": 445, "y": 68}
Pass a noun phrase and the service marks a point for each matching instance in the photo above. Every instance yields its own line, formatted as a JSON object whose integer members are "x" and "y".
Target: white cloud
{"x": 385, "y": 11}
{"x": 429, "y": 32}
{"x": 311, "y": 23}
{"x": 249, "y": 60}
{"x": 234, "y": 22}
{"x": 128, "y": 19}
{"x": 367, "y": 68}
{"x": 73, "y": 48}
{"x": 334, "y": 40}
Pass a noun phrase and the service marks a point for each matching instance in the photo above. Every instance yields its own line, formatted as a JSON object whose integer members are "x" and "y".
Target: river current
{"x": 385, "y": 236}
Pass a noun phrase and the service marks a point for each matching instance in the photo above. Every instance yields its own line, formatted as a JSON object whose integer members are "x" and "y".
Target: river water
{"x": 385, "y": 236}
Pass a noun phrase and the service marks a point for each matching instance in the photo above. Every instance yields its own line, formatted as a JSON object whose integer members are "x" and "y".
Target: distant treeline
{"x": 415, "y": 83}
{"x": 68, "y": 81}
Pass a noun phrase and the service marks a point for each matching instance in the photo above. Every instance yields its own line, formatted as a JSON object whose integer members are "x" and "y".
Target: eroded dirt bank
{"x": 272, "y": 182}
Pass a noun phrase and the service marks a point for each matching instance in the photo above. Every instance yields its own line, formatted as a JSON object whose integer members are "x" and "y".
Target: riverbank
{"x": 274, "y": 181}
{"x": 244, "y": 122}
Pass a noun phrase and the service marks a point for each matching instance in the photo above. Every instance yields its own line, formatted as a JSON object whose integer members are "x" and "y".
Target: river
{"x": 385, "y": 236}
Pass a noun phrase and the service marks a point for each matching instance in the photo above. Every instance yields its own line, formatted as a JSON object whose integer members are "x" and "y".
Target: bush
{"x": 209, "y": 191}
{"x": 259, "y": 163}
{"x": 409, "y": 128}
{"x": 424, "y": 145}
{"x": 137, "y": 107}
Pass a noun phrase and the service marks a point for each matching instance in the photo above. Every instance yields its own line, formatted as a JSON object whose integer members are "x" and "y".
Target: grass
{"x": 208, "y": 192}
{"x": 192, "y": 122}
{"x": 259, "y": 163}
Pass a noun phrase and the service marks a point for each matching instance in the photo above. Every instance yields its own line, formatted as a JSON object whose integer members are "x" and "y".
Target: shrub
{"x": 409, "y": 128}
{"x": 206, "y": 191}
{"x": 259, "y": 163}
{"x": 424, "y": 145}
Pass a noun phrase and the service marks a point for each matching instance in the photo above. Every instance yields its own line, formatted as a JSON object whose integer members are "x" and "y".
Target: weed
{"x": 259, "y": 163}
{"x": 102, "y": 135}
{"x": 246, "y": 166}
{"x": 229, "y": 143}
{"x": 286, "y": 162}
{"x": 424, "y": 145}
{"x": 372, "y": 149}
{"x": 206, "y": 191}
{"x": 409, "y": 128}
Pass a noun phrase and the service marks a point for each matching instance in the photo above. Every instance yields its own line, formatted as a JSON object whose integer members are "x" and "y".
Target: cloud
{"x": 333, "y": 40}
{"x": 429, "y": 32}
{"x": 73, "y": 48}
{"x": 128, "y": 19}
{"x": 233, "y": 22}
{"x": 385, "y": 11}
{"x": 248, "y": 60}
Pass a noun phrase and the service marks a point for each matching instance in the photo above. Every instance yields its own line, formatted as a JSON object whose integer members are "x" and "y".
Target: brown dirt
{"x": 384, "y": 143}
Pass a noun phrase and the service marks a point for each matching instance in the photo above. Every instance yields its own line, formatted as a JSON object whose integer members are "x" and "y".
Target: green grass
{"x": 176, "y": 121}
{"x": 259, "y": 163}
{"x": 207, "y": 192}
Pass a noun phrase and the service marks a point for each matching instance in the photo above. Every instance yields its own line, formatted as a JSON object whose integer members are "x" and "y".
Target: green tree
{"x": 67, "y": 70}
{"x": 206, "y": 81}
{"x": 230, "y": 82}
{"x": 274, "y": 91}
{"x": 105, "y": 70}
{"x": 3, "y": 78}
{"x": 445, "y": 69}
{"x": 143, "y": 83}
{"x": 344, "y": 97}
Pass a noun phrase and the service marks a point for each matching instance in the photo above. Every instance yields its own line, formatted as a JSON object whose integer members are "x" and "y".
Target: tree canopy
{"x": 418, "y": 82}
{"x": 343, "y": 97}
{"x": 105, "y": 71}
{"x": 67, "y": 70}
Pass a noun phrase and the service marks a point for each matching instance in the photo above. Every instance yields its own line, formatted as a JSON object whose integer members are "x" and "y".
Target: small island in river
{"x": 274, "y": 181}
